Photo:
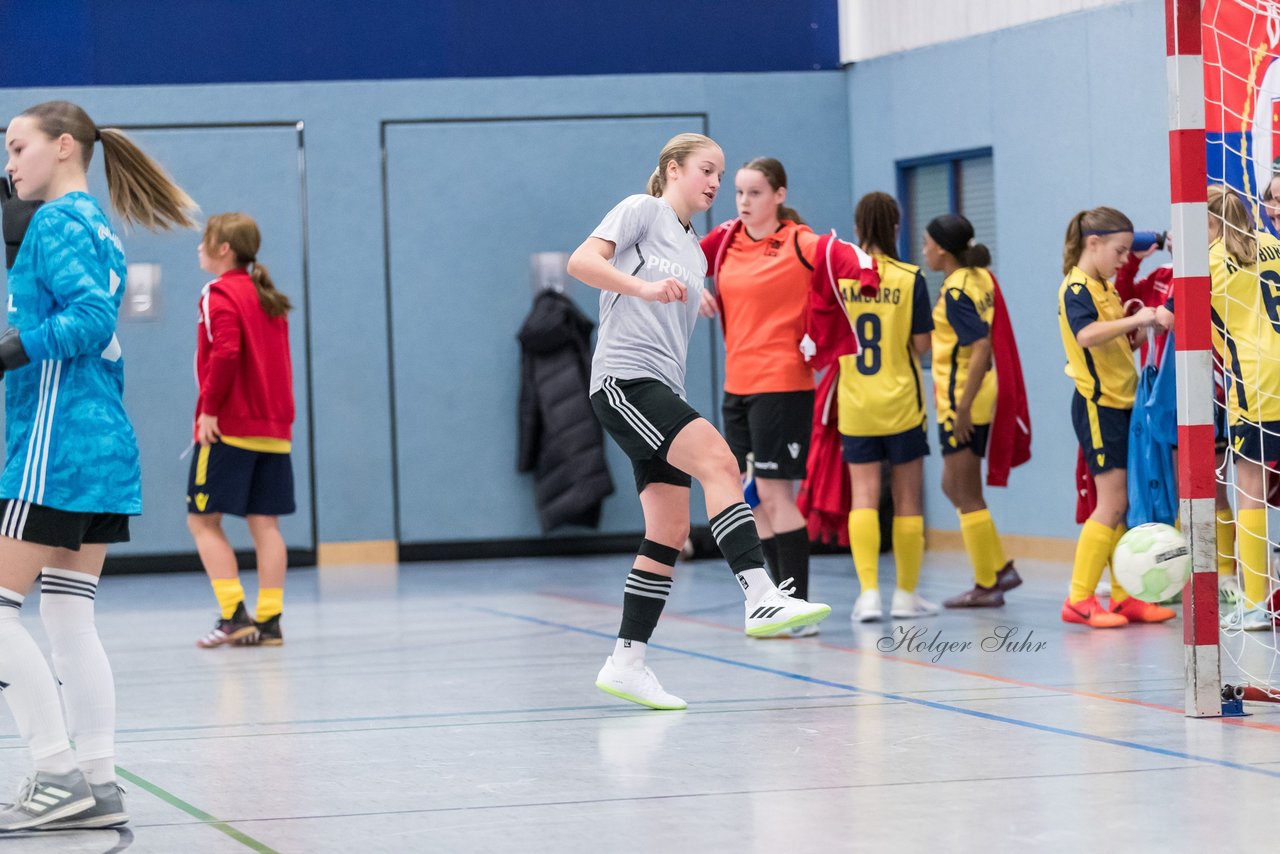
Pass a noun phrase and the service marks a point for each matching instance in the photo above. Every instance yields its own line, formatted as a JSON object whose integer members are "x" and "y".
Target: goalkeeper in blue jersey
{"x": 71, "y": 478}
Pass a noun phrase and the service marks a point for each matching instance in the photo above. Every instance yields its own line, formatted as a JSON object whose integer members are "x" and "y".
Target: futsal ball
{"x": 1152, "y": 562}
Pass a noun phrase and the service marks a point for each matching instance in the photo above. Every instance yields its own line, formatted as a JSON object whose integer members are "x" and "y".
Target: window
{"x": 963, "y": 183}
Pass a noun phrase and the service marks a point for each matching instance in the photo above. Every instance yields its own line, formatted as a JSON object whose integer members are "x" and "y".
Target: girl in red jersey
{"x": 244, "y": 426}
{"x": 762, "y": 264}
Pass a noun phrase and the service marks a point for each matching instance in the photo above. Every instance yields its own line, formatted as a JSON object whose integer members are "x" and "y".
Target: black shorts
{"x": 239, "y": 482}
{"x": 63, "y": 529}
{"x": 1103, "y": 434}
{"x": 899, "y": 448}
{"x": 774, "y": 428}
{"x": 1258, "y": 443}
{"x": 977, "y": 439}
{"x": 643, "y": 416}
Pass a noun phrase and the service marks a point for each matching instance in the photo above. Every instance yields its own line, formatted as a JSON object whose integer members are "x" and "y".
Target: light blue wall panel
{"x": 1073, "y": 108}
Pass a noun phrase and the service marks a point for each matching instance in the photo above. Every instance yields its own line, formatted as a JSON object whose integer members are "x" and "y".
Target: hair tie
{"x": 97, "y": 135}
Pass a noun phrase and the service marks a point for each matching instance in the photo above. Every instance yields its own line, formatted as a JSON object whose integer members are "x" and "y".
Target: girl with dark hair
{"x": 965, "y": 392}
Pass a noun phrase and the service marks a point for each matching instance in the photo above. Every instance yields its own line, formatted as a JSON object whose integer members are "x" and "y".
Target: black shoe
{"x": 978, "y": 597}
{"x": 1008, "y": 578}
{"x": 233, "y": 630}
{"x": 269, "y": 633}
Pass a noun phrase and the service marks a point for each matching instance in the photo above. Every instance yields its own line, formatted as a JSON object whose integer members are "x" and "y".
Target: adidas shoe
{"x": 796, "y": 632}
{"x": 1242, "y": 619}
{"x": 638, "y": 685}
{"x": 910, "y": 606}
{"x": 236, "y": 629}
{"x": 46, "y": 798}
{"x": 108, "y": 811}
{"x": 778, "y": 611}
{"x": 978, "y": 597}
{"x": 868, "y": 608}
{"x": 268, "y": 633}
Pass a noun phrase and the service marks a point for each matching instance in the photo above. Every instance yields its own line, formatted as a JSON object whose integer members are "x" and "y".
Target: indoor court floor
{"x": 450, "y": 707}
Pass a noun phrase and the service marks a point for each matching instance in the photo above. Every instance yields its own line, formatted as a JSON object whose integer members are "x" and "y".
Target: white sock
{"x": 88, "y": 690}
{"x": 29, "y": 689}
{"x": 629, "y": 653}
{"x": 755, "y": 584}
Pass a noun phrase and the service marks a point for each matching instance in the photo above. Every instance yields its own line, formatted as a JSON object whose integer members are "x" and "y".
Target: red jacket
{"x": 1010, "y": 441}
{"x": 243, "y": 366}
{"x": 825, "y": 496}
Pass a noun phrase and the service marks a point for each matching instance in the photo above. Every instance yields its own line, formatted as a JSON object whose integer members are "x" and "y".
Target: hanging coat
{"x": 560, "y": 439}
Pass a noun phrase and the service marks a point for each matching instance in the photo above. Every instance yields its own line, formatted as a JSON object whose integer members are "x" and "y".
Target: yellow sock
{"x": 864, "y": 542}
{"x": 908, "y": 550}
{"x": 1226, "y": 542}
{"x": 270, "y": 603}
{"x": 983, "y": 545}
{"x": 1093, "y": 547}
{"x": 1251, "y": 539}
{"x": 229, "y": 593}
{"x": 998, "y": 560}
{"x": 1118, "y": 593}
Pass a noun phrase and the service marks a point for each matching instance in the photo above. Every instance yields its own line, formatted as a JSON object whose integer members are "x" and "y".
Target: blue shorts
{"x": 1103, "y": 434}
{"x": 977, "y": 440}
{"x": 239, "y": 482}
{"x": 899, "y": 448}
{"x": 1259, "y": 443}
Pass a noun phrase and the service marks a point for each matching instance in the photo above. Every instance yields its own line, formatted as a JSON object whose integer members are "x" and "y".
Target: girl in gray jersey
{"x": 645, "y": 259}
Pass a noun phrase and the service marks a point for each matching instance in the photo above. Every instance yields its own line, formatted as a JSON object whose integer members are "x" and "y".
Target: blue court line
{"x": 930, "y": 704}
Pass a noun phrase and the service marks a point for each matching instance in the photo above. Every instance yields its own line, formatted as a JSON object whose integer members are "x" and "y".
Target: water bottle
{"x": 1144, "y": 240}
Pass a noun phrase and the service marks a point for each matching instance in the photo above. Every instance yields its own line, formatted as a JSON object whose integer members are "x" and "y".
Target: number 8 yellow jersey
{"x": 1246, "y": 304}
{"x": 881, "y": 392}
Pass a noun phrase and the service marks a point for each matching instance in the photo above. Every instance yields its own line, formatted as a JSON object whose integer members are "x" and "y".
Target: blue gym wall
{"x": 410, "y": 207}
{"x": 1074, "y": 110}
{"x": 479, "y": 174}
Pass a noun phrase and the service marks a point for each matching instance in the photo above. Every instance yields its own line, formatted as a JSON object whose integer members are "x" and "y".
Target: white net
{"x": 1242, "y": 122}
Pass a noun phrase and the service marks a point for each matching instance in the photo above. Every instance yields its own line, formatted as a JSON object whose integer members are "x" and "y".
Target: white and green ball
{"x": 1152, "y": 562}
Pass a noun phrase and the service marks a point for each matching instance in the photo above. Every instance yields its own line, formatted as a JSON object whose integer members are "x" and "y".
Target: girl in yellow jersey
{"x": 882, "y": 415}
{"x": 1095, "y": 336}
{"x": 964, "y": 389}
{"x": 1244, "y": 267}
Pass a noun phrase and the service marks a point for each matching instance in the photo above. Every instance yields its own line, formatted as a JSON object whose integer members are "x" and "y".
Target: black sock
{"x": 735, "y": 531}
{"x": 770, "y": 546}
{"x": 793, "y": 560}
{"x": 642, "y": 601}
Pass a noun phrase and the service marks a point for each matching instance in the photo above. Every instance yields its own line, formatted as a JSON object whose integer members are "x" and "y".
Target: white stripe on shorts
{"x": 633, "y": 416}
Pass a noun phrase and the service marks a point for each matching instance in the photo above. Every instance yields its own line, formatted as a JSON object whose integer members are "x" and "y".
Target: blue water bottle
{"x": 1144, "y": 240}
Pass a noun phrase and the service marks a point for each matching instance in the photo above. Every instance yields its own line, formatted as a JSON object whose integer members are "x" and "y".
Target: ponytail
{"x": 1097, "y": 222}
{"x": 1073, "y": 245}
{"x": 977, "y": 255}
{"x": 785, "y": 212}
{"x": 274, "y": 303}
{"x": 1238, "y": 232}
{"x": 240, "y": 232}
{"x": 141, "y": 192}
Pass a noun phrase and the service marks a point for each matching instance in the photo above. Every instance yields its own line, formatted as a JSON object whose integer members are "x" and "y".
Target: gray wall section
{"x": 461, "y": 202}
{"x": 1074, "y": 109}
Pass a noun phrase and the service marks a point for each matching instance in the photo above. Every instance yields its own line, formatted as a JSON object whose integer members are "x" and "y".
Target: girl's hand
{"x": 666, "y": 291}
{"x": 962, "y": 425}
{"x": 1145, "y": 317}
{"x": 1164, "y": 318}
{"x": 207, "y": 432}
{"x": 708, "y": 308}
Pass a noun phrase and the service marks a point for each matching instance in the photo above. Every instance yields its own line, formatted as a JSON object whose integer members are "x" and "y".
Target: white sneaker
{"x": 637, "y": 684}
{"x": 778, "y": 611}
{"x": 910, "y": 606}
{"x": 868, "y": 608}
{"x": 1240, "y": 618}
{"x": 1229, "y": 589}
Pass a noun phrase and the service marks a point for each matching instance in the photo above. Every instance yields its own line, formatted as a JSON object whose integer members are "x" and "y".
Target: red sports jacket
{"x": 242, "y": 361}
{"x": 1010, "y": 441}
